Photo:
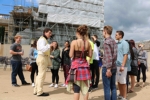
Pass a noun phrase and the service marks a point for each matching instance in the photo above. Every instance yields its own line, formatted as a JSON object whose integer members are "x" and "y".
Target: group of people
{"x": 121, "y": 60}
{"x": 118, "y": 61}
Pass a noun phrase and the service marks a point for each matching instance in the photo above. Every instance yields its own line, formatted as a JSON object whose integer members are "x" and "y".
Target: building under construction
{"x": 62, "y": 16}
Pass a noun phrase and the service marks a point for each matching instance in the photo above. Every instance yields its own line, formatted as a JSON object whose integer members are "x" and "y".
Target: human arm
{"x": 108, "y": 56}
{"x": 31, "y": 54}
{"x": 72, "y": 47}
{"x": 143, "y": 57}
{"x": 42, "y": 46}
{"x": 12, "y": 50}
{"x": 56, "y": 54}
{"x": 90, "y": 51}
{"x": 125, "y": 55}
{"x": 96, "y": 41}
{"x": 62, "y": 57}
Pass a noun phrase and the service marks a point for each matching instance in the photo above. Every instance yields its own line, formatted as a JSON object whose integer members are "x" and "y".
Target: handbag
{"x": 72, "y": 75}
{"x": 28, "y": 67}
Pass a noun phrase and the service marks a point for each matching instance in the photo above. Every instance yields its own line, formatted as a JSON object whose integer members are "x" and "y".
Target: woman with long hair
{"x": 66, "y": 61}
{"x": 134, "y": 64}
{"x": 33, "y": 55}
{"x": 142, "y": 63}
{"x": 80, "y": 48}
{"x": 55, "y": 55}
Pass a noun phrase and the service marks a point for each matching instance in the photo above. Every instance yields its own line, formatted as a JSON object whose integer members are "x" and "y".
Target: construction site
{"x": 62, "y": 16}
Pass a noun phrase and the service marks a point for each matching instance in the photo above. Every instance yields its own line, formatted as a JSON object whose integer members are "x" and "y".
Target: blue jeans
{"x": 109, "y": 85}
{"x": 17, "y": 70}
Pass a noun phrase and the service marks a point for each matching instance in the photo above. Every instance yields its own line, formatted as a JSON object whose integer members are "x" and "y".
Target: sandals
{"x": 137, "y": 85}
{"x": 142, "y": 85}
{"x": 130, "y": 91}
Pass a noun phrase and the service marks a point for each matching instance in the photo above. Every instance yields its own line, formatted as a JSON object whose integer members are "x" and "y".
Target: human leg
{"x": 76, "y": 90}
{"x": 132, "y": 82}
{"x": 93, "y": 74}
{"x": 57, "y": 76}
{"x": 14, "y": 72}
{"x": 113, "y": 85}
{"x": 86, "y": 97}
{"x": 53, "y": 75}
{"x": 106, "y": 84}
{"x": 36, "y": 69}
{"x": 122, "y": 83}
{"x": 138, "y": 76}
{"x": 143, "y": 73}
{"x": 20, "y": 73}
{"x": 42, "y": 62}
{"x": 127, "y": 83}
{"x": 96, "y": 64}
{"x": 32, "y": 72}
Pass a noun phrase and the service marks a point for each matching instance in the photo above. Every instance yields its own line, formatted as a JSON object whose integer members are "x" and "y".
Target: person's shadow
{"x": 96, "y": 98}
{"x": 136, "y": 89}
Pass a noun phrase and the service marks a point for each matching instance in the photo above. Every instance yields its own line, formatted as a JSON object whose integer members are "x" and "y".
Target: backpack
{"x": 35, "y": 53}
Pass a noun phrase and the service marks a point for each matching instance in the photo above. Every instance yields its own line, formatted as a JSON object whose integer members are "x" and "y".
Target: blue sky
{"x": 7, "y": 5}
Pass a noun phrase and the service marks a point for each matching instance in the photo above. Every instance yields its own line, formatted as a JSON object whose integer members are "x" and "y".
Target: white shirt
{"x": 42, "y": 46}
{"x": 95, "y": 52}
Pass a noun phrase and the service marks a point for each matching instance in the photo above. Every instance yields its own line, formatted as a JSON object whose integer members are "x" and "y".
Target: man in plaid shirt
{"x": 109, "y": 65}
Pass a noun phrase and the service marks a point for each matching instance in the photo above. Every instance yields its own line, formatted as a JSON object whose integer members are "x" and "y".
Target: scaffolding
{"x": 60, "y": 16}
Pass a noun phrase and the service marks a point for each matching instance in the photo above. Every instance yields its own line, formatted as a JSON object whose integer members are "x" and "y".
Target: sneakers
{"x": 51, "y": 85}
{"x": 25, "y": 83}
{"x": 56, "y": 86}
{"x": 66, "y": 86}
{"x": 63, "y": 85}
{"x": 33, "y": 85}
{"x": 44, "y": 94}
{"x": 15, "y": 85}
{"x": 123, "y": 99}
{"x": 90, "y": 89}
{"x": 95, "y": 87}
{"x": 119, "y": 96}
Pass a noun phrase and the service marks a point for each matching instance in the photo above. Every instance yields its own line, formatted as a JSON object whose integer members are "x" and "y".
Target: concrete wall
{"x": 4, "y": 51}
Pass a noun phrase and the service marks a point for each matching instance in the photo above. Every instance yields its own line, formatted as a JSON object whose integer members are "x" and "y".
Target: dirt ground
{"x": 8, "y": 92}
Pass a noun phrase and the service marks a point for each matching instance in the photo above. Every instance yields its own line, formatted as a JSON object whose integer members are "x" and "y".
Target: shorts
{"x": 121, "y": 76}
{"x": 76, "y": 88}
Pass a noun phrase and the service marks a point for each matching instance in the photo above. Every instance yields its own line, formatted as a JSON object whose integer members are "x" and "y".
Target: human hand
{"x": 20, "y": 53}
{"x": 108, "y": 73}
{"x": 51, "y": 56}
{"x": 121, "y": 69}
{"x": 93, "y": 37}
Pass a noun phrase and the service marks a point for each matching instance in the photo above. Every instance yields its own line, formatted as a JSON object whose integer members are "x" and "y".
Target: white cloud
{"x": 34, "y": 1}
{"x": 130, "y": 16}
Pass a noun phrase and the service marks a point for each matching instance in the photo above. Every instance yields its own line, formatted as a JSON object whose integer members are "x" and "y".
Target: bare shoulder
{"x": 73, "y": 42}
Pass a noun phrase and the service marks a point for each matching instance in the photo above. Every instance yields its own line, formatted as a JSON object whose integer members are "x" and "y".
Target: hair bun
{"x": 83, "y": 30}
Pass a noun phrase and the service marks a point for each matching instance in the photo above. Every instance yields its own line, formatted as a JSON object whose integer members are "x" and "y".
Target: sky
{"x": 130, "y": 16}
